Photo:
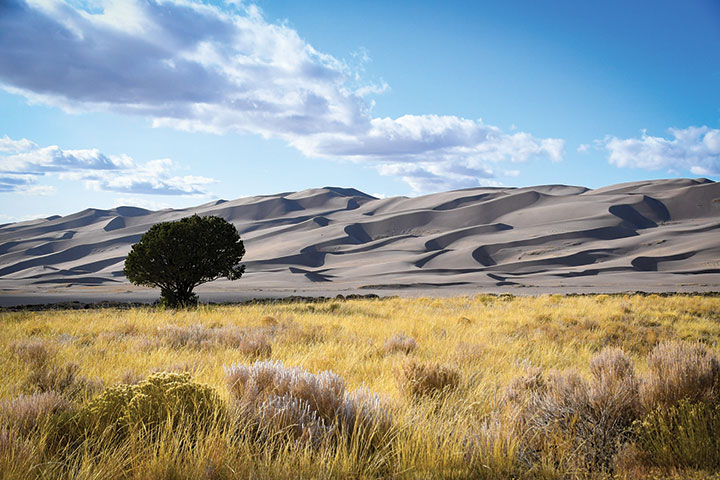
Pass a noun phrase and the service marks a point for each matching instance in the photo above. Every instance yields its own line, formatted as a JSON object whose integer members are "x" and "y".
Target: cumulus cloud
{"x": 199, "y": 67}
{"x": 438, "y": 176}
{"x": 20, "y": 183}
{"x": 23, "y": 162}
{"x": 696, "y": 149}
{"x": 432, "y": 152}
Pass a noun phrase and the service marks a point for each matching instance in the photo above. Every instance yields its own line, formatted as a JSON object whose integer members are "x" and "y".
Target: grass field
{"x": 468, "y": 387}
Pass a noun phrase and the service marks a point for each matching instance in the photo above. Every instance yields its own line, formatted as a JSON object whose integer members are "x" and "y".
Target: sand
{"x": 661, "y": 235}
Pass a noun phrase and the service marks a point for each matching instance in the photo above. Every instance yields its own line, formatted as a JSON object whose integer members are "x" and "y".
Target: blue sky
{"x": 176, "y": 103}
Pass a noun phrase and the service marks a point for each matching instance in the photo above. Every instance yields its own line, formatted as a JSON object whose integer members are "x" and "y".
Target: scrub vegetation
{"x": 621, "y": 386}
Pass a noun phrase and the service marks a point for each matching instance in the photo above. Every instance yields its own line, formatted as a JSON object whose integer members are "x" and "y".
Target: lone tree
{"x": 178, "y": 256}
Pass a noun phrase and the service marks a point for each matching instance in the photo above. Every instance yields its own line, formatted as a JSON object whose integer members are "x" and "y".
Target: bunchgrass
{"x": 622, "y": 386}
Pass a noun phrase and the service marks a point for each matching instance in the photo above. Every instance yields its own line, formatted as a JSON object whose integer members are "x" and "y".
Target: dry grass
{"x": 399, "y": 343}
{"x": 536, "y": 387}
{"x": 427, "y": 379}
{"x": 26, "y": 413}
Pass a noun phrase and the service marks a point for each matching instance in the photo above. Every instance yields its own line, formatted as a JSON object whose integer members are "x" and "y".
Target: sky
{"x": 175, "y": 103}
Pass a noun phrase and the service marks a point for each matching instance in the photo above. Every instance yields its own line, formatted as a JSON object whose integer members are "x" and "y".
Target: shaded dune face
{"x": 541, "y": 235}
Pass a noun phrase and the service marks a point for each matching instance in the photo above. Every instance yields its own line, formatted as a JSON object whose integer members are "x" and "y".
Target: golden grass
{"x": 488, "y": 341}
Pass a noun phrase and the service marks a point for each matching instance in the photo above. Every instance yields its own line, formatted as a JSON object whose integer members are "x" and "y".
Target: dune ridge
{"x": 643, "y": 234}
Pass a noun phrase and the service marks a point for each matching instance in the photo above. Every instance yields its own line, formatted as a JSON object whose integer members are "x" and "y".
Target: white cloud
{"x": 431, "y": 152}
{"x": 53, "y": 159}
{"x": 696, "y": 149}
{"x": 22, "y": 162}
{"x": 10, "y": 146}
{"x": 199, "y": 67}
{"x": 17, "y": 182}
{"x": 583, "y": 148}
{"x": 424, "y": 177}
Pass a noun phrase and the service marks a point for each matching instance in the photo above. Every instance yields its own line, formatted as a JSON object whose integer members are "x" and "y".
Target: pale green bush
{"x": 161, "y": 398}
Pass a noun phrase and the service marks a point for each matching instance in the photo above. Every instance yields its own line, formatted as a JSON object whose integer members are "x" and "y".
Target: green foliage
{"x": 687, "y": 435}
{"x": 178, "y": 256}
{"x": 162, "y": 398}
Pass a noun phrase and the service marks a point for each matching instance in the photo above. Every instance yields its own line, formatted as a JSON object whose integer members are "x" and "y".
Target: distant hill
{"x": 664, "y": 232}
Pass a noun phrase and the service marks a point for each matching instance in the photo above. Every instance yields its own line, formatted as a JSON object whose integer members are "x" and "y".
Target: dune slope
{"x": 654, "y": 234}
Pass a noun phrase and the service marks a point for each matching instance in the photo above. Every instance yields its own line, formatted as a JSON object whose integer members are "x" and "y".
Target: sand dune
{"x": 654, "y": 235}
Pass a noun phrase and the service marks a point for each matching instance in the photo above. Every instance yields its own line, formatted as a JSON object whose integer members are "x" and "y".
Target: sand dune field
{"x": 659, "y": 235}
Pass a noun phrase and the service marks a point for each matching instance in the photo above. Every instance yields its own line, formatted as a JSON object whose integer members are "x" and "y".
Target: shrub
{"x": 194, "y": 336}
{"x": 684, "y": 435}
{"x": 564, "y": 413}
{"x": 399, "y": 343}
{"x": 424, "y": 379}
{"x": 365, "y": 413}
{"x": 252, "y": 385}
{"x": 677, "y": 371}
{"x": 33, "y": 351}
{"x": 254, "y": 342}
{"x": 614, "y": 400}
{"x": 55, "y": 378}
{"x": 63, "y": 379}
{"x": 520, "y": 388}
{"x": 178, "y": 256}
{"x": 291, "y": 416}
{"x": 294, "y": 332}
{"x": 248, "y": 341}
{"x": 304, "y": 405}
{"x": 161, "y": 398}
{"x": 26, "y": 413}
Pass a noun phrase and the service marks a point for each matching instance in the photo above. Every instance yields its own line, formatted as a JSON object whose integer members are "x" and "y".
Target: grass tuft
{"x": 427, "y": 379}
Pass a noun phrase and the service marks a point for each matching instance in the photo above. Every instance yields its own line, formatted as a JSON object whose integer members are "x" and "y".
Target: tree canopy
{"x": 178, "y": 256}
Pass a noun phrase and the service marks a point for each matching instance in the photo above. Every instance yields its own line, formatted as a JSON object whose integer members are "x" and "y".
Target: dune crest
{"x": 664, "y": 232}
